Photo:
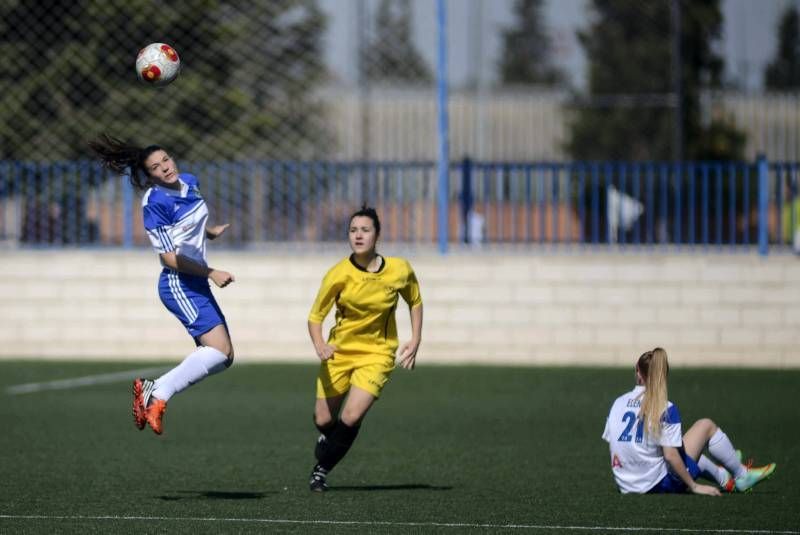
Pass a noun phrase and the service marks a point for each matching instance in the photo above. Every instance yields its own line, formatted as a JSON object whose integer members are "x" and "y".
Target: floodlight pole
{"x": 677, "y": 82}
{"x": 363, "y": 79}
{"x": 762, "y": 168}
{"x": 127, "y": 212}
{"x": 444, "y": 149}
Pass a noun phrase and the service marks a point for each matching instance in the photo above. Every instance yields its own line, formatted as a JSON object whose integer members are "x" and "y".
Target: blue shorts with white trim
{"x": 671, "y": 483}
{"x": 190, "y": 299}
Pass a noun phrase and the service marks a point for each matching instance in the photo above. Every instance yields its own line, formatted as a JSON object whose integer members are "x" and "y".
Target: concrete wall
{"x": 564, "y": 309}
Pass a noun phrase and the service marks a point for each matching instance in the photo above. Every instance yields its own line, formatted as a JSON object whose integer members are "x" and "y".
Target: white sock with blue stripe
{"x": 720, "y": 447}
{"x": 204, "y": 361}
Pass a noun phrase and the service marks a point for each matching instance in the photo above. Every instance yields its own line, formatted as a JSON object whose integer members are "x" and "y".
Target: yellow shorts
{"x": 368, "y": 372}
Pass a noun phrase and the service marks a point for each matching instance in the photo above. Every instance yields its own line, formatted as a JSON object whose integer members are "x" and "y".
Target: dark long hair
{"x": 366, "y": 211}
{"x": 122, "y": 157}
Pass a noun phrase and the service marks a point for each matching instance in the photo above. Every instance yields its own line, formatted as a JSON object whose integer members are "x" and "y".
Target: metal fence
{"x": 692, "y": 206}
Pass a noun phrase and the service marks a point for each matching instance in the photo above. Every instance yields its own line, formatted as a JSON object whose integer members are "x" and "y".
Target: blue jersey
{"x": 175, "y": 220}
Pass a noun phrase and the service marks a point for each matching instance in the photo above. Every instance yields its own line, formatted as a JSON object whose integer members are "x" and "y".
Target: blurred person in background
{"x": 175, "y": 217}
{"x": 791, "y": 213}
{"x": 359, "y": 354}
{"x": 648, "y": 452}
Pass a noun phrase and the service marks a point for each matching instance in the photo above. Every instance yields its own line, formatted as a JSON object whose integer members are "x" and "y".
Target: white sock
{"x": 713, "y": 470}
{"x": 195, "y": 367}
{"x": 721, "y": 449}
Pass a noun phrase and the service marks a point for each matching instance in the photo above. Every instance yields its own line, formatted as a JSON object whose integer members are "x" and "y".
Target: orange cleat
{"x": 730, "y": 485}
{"x": 138, "y": 404}
{"x": 154, "y": 413}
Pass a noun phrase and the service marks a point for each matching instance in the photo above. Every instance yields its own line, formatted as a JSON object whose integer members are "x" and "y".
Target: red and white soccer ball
{"x": 157, "y": 64}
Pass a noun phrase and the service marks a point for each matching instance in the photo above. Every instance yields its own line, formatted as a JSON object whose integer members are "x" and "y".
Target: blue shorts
{"x": 190, "y": 299}
{"x": 671, "y": 483}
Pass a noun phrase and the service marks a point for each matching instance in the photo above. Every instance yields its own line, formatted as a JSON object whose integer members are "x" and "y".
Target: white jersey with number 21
{"x": 637, "y": 461}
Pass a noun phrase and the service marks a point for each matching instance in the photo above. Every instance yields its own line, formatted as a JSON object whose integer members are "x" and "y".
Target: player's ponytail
{"x": 654, "y": 369}
{"x": 124, "y": 158}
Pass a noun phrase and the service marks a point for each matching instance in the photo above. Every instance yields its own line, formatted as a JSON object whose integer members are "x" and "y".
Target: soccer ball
{"x": 157, "y": 64}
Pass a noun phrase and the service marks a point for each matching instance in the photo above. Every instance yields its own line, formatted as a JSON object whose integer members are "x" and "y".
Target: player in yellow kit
{"x": 359, "y": 355}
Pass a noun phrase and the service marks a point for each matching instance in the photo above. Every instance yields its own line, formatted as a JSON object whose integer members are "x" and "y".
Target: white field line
{"x": 89, "y": 380}
{"x": 391, "y": 524}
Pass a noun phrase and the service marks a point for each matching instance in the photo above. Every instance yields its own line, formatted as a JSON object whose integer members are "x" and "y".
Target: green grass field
{"x": 447, "y": 450}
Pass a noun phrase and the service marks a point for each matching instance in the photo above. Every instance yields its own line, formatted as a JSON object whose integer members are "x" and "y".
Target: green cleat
{"x": 754, "y": 476}
{"x": 730, "y": 484}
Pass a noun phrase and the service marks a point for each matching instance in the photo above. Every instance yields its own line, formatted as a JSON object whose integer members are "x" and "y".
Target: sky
{"x": 751, "y": 37}
{"x": 475, "y": 29}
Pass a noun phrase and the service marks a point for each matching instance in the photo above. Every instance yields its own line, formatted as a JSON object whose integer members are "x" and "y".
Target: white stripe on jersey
{"x": 190, "y": 213}
{"x": 187, "y": 307}
{"x": 146, "y": 196}
{"x": 166, "y": 241}
{"x": 161, "y": 239}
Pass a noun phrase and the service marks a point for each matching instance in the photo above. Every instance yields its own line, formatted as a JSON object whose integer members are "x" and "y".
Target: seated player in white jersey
{"x": 648, "y": 452}
{"x": 175, "y": 217}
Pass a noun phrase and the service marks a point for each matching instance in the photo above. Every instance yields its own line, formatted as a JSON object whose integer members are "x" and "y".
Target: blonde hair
{"x": 654, "y": 369}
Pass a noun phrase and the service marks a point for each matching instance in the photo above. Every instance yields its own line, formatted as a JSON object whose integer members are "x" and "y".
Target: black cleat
{"x": 318, "y": 479}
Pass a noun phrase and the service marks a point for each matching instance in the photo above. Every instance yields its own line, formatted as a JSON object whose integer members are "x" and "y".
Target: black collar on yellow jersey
{"x": 353, "y": 261}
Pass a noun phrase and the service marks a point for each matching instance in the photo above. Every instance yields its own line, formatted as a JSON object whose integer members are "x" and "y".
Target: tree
{"x": 527, "y": 48}
{"x": 390, "y": 55}
{"x": 783, "y": 73}
{"x": 249, "y": 71}
{"x": 628, "y": 114}
{"x": 630, "y": 111}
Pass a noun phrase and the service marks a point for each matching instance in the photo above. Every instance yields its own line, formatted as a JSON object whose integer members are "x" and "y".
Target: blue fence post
{"x": 127, "y": 212}
{"x": 466, "y": 195}
{"x": 763, "y": 204}
{"x": 444, "y": 149}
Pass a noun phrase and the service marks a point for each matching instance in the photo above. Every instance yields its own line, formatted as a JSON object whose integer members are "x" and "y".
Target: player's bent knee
{"x": 351, "y": 418}
{"x": 323, "y": 417}
{"x": 322, "y": 420}
{"x": 226, "y": 349}
{"x": 708, "y": 425}
{"x": 708, "y": 422}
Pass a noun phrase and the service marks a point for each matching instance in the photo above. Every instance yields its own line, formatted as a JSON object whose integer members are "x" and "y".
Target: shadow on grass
{"x": 213, "y": 495}
{"x": 412, "y": 486}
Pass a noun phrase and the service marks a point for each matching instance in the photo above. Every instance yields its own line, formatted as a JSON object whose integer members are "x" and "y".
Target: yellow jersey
{"x": 365, "y": 304}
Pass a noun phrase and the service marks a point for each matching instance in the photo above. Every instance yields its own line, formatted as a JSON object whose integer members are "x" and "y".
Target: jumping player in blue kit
{"x": 649, "y": 453}
{"x": 175, "y": 217}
